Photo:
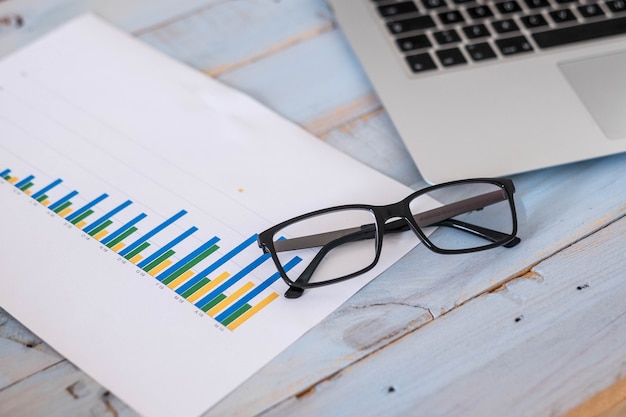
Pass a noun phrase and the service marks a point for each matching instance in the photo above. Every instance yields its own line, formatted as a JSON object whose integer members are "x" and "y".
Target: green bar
{"x": 26, "y": 186}
{"x": 213, "y": 303}
{"x": 101, "y": 227}
{"x": 121, "y": 237}
{"x": 63, "y": 207}
{"x": 42, "y": 198}
{"x": 196, "y": 287}
{"x": 236, "y": 314}
{"x": 158, "y": 260}
{"x": 141, "y": 247}
{"x": 7, "y": 177}
{"x": 82, "y": 217}
{"x": 189, "y": 264}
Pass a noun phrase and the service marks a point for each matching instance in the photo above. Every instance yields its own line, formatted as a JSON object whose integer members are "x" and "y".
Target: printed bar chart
{"x": 41, "y": 196}
{"x": 231, "y": 297}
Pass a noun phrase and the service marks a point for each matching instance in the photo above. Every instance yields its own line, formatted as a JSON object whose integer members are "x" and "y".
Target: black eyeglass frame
{"x": 405, "y": 220}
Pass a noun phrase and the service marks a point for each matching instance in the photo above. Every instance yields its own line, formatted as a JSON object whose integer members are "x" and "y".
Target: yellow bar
{"x": 81, "y": 224}
{"x": 12, "y": 180}
{"x": 184, "y": 277}
{"x": 245, "y": 316}
{"x": 63, "y": 213}
{"x": 28, "y": 192}
{"x": 208, "y": 287}
{"x": 118, "y": 247}
{"x": 160, "y": 267}
{"x": 136, "y": 258}
{"x": 229, "y": 300}
{"x": 45, "y": 203}
{"x": 101, "y": 234}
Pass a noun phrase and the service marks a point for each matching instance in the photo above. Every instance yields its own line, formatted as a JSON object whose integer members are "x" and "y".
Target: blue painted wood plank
{"x": 316, "y": 83}
{"x": 226, "y": 35}
{"x": 373, "y": 140}
{"x": 30, "y": 19}
{"x": 537, "y": 347}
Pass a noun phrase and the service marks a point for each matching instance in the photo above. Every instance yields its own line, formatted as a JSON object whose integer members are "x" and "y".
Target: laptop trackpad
{"x": 599, "y": 83}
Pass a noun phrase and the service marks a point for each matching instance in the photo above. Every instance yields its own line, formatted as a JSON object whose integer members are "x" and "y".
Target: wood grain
{"x": 37, "y": 18}
{"x": 504, "y": 331}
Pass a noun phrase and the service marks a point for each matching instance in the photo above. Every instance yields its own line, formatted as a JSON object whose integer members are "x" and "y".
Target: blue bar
{"x": 256, "y": 291}
{"x": 169, "y": 271}
{"x": 167, "y": 247}
{"x": 207, "y": 298}
{"x": 107, "y": 216}
{"x": 152, "y": 232}
{"x": 5, "y": 172}
{"x": 62, "y": 201}
{"x": 86, "y": 207}
{"x": 123, "y": 229}
{"x": 25, "y": 181}
{"x": 216, "y": 264}
{"x": 45, "y": 189}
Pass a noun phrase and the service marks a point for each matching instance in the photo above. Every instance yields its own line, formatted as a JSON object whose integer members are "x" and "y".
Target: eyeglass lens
{"x": 352, "y": 251}
{"x": 478, "y": 214}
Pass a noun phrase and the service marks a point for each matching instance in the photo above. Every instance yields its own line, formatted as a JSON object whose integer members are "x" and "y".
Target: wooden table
{"x": 538, "y": 330}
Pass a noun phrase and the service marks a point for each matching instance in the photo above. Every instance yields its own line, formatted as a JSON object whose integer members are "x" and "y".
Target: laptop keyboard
{"x": 439, "y": 34}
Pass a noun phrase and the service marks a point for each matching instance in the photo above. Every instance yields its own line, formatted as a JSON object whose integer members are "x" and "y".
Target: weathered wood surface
{"x": 504, "y": 332}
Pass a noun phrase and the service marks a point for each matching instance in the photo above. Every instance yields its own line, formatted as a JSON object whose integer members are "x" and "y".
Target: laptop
{"x": 490, "y": 88}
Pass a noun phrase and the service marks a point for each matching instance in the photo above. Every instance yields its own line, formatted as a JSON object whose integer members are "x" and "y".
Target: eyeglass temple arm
{"x": 433, "y": 217}
{"x": 485, "y": 233}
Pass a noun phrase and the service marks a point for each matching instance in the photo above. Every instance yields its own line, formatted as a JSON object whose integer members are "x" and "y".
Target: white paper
{"x": 90, "y": 110}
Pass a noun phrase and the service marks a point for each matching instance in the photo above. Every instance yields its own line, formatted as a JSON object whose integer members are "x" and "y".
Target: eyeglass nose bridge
{"x": 396, "y": 217}
{"x": 393, "y": 212}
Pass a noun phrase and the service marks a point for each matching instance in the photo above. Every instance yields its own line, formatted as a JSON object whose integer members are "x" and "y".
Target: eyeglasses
{"x": 338, "y": 243}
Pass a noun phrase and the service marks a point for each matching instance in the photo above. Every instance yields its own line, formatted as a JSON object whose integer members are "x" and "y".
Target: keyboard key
{"x": 509, "y": 6}
{"x": 447, "y": 36}
{"x": 535, "y": 4}
{"x": 476, "y": 31}
{"x": 451, "y": 57}
{"x": 582, "y": 32}
{"x": 534, "y": 21}
{"x": 617, "y": 6}
{"x": 560, "y": 16}
{"x": 433, "y": 4}
{"x": 397, "y": 9}
{"x": 421, "y": 62}
{"x": 590, "y": 10}
{"x": 451, "y": 17}
{"x": 505, "y": 26}
{"x": 479, "y": 12}
{"x": 407, "y": 25}
{"x": 512, "y": 46}
{"x": 413, "y": 42}
{"x": 480, "y": 51}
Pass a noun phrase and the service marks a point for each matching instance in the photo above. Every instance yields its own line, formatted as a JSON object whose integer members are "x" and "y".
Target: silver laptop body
{"x": 539, "y": 101}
